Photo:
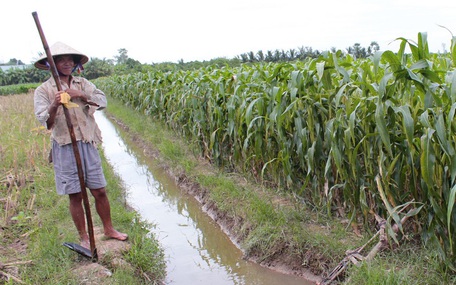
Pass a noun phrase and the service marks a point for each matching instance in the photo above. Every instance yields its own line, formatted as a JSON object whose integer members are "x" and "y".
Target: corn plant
{"x": 326, "y": 128}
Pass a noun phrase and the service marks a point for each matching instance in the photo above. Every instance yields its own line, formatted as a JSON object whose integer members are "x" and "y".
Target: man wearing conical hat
{"x": 85, "y": 100}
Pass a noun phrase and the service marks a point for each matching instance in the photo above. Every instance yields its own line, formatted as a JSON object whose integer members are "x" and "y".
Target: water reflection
{"x": 197, "y": 250}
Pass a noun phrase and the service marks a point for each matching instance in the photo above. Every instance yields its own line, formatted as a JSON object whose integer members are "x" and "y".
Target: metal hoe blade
{"x": 82, "y": 250}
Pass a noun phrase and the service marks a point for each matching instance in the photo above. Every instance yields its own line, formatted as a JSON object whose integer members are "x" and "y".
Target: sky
{"x": 196, "y": 30}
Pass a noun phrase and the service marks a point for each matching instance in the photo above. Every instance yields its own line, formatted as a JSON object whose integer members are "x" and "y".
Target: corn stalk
{"x": 324, "y": 128}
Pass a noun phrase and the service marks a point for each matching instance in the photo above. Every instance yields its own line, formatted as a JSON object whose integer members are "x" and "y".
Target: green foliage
{"x": 332, "y": 128}
{"x": 21, "y": 219}
{"x": 407, "y": 266}
{"x": 302, "y": 53}
{"x": 129, "y": 66}
{"x": 146, "y": 253}
{"x": 18, "y": 88}
{"x": 265, "y": 223}
{"x": 30, "y": 74}
{"x": 368, "y": 274}
{"x": 96, "y": 67}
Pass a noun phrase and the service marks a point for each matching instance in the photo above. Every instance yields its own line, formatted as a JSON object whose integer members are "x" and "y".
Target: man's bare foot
{"x": 116, "y": 235}
{"x": 85, "y": 243}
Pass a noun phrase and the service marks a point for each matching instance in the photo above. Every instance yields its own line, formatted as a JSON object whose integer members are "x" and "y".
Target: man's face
{"x": 64, "y": 64}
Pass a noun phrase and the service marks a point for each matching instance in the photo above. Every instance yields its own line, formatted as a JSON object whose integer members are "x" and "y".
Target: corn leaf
{"x": 451, "y": 200}
{"x": 427, "y": 158}
{"x": 381, "y": 127}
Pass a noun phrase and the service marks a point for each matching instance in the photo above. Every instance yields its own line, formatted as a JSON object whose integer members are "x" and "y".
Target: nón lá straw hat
{"x": 61, "y": 49}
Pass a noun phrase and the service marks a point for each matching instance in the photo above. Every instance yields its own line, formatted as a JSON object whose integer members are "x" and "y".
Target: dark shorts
{"x": 66, "y": 171}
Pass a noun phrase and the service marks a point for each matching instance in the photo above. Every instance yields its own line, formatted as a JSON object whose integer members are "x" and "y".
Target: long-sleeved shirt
{"x": 82, "y": 117}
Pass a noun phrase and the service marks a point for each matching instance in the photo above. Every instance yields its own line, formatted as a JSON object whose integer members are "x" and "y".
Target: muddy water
{"x": 196, "y": 249}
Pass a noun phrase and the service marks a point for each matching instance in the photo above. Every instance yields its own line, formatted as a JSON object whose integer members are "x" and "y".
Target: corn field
{"x": 371, "y": 135}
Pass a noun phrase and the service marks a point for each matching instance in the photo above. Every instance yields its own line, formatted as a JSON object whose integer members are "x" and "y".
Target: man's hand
{"x": 57, "y": 100}
{"x": 77, "y": 94}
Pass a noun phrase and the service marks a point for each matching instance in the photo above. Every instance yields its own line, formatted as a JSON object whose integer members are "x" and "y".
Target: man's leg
{"x": 104, "y": 211}
{"x": 77, "y": 213}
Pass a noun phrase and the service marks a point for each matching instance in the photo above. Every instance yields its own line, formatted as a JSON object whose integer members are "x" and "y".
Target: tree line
{"x": 123, "y": 64}
{"x": 305, "y": 52}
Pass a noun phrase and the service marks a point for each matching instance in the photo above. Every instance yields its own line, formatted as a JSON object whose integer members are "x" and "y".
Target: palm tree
{"x": 260, "y": 55}
{"x": 292, "y": 54}
{"x": 251, "y": 56}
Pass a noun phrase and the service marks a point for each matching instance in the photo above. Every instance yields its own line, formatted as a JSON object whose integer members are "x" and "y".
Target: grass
{"x": 405, "y": 266}
{"x": 35, "y": 220}
{"x": 271, "y": 225}
{"x": 17, "y": 88}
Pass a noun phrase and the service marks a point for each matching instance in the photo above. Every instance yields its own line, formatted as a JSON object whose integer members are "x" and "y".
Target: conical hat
{"x": 60, "y": 49}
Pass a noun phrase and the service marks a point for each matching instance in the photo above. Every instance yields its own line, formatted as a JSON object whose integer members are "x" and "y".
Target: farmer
{"x": 85, "y": 100}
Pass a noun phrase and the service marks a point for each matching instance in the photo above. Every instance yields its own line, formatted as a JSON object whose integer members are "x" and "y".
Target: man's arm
{"x": 52, "y": 111}
{"x": 45, "y": 108}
